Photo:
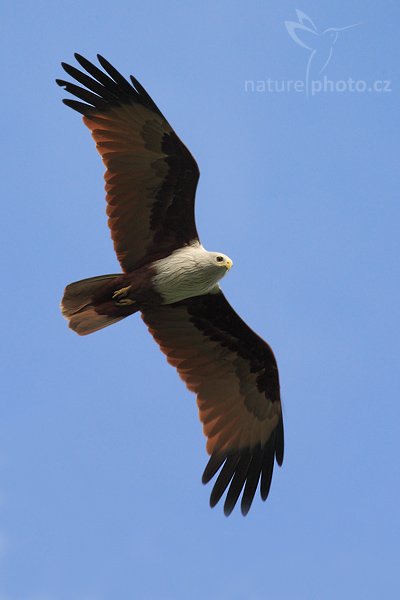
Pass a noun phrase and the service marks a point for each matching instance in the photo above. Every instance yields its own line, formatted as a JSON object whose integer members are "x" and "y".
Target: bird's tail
{"x": 88, "y": 304}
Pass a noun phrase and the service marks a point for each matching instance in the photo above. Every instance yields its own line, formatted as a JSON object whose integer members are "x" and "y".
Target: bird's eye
{"x": 220, "y": 258}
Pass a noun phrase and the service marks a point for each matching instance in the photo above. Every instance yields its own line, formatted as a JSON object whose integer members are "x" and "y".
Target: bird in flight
{"x": 169, "y": 277}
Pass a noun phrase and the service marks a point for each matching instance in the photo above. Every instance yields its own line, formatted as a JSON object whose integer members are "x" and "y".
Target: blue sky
{"x": 101, "y": 451}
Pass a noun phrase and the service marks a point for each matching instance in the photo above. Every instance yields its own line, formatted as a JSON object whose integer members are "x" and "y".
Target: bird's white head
{"x": 217, "y": 259}
{"x": 213, "y": 266}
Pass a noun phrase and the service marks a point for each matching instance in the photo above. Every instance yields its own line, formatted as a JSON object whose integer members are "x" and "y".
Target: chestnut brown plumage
{"x": 234, "y": 374}
{"x": 151, "y": 177}
{"x": 151, "y": 181}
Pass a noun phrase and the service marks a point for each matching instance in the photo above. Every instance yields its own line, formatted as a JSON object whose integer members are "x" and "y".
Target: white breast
{"x": 187, "y": 272}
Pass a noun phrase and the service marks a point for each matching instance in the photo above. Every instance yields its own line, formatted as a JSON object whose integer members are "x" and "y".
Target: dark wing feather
{"x": 151, "y": 176}
{"x": 235, "y": 376}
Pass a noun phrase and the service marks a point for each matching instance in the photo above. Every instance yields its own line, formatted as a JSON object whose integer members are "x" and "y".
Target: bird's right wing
{"x": 151, "y": 176}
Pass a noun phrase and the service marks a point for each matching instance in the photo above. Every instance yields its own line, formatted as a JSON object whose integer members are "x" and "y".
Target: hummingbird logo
{"x": 319, "y": 44}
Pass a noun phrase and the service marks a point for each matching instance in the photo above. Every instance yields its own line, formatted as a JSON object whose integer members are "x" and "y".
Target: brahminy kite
{"x": 170, "y": 278}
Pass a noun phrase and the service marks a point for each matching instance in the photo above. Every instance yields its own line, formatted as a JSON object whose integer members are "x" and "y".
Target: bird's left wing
{"x": 235, "y": 376}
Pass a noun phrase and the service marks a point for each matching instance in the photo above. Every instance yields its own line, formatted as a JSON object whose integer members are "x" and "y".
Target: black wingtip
{"x": 213, "y": 501}
{"x": 242, "y": 472}
{"x": 80, "y": 107}
{"x": 80, "y": 59}
{"x": 212, "y": 467}
{"x": 65, "y": 66}
{"x": 266, "y": 479}
{"x": 280, "y": 443}
{"x": 228, "y": 509}
{"x": 108, "y": 84}
{"x": 245, "y": 507}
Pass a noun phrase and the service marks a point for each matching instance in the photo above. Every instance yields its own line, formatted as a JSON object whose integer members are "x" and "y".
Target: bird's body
{"x": 188, "y": 272}
{"x": 173, "y": 281}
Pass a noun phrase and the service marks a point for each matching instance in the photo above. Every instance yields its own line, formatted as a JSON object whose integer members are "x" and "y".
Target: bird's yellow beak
{"x": 229, "y": 264}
